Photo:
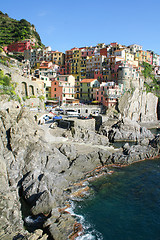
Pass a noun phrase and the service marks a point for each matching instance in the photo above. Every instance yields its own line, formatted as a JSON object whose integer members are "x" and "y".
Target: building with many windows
{"x": 108, "y": 93}
{"x": 88, "y": 89}
{"x": 63, "y": 88}
{"x": 20, "y": 46}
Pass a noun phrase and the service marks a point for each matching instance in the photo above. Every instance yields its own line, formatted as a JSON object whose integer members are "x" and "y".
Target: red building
{"x": 56, "y": 90}
{"x": 68, "y": 60}
{"x": 98, "y": 75}
{"x": 103, "y": 51}
{"x": 61, "y": 70}
{"x": 87, "y": 51}
{"x": 20, "y": 46}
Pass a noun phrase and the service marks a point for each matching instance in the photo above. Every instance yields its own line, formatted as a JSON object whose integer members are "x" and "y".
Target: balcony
{"x": 111, "y": 95}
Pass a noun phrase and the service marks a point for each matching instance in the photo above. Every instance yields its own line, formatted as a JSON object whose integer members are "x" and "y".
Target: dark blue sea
{"x": 124, "y": 205}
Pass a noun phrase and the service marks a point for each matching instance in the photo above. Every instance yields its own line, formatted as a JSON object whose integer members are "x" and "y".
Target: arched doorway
{"x": 24, "y": 89}
{"x": 31, "y": 90}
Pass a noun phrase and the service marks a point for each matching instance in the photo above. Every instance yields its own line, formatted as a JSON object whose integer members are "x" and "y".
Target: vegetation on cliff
{"x": 153, "y": 84}
{"x": 13, "y": 30}
{"x": 7, "y": 87}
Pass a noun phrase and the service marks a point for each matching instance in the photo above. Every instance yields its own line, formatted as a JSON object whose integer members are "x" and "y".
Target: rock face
{"x": 138, "y": 106}
{"x": 41, "y": 174}
{"x": 128, "y": 130}
{"x": 41, "y": 171}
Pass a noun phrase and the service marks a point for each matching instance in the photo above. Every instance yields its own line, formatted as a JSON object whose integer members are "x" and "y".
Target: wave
{"x": 89, "y": 232}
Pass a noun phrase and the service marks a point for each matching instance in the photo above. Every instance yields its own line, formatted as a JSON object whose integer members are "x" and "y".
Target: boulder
{"x": 126, "y": 129}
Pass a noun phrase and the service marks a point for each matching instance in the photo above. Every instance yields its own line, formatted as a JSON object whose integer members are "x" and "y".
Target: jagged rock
{"x": 44, "y": 204}
{"x": 64, "y": 227}
{"x": 155, "y": 143}
{"x": 128, "y": 130}
{"x": 37, "y": 234}
{"x": 43, "y": 172}
{"x": 138, "y": 106}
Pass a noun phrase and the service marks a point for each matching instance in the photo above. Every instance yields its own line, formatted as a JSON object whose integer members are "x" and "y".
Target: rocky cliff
{"x": 138, "y": 106}
{"x": 38, "y": 176}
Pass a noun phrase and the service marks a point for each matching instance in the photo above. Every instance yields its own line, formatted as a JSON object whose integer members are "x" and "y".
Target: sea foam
{"x": 89, "y": 233}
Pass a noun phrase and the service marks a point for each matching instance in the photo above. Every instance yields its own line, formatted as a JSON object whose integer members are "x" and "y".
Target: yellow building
{"x": 143, "y": 56}
{"x": 88, "y": 89}
{"x": 76, "y": 63}
{"x": 77, "y": 89}
{"x": 56, "y": 57}
{"x": 83, "y": 67}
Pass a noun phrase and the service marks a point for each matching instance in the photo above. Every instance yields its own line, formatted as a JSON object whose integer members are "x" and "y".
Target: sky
{"x": 64, "y": 24}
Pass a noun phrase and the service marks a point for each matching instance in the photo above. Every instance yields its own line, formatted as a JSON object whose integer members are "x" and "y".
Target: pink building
{"x": 87, "y": 51}
{"x": 108, "y": 93}
{"x": 20, "y": 46}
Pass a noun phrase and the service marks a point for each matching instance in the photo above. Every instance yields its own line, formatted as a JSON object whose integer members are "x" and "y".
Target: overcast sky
{"x": 64, "y": 24}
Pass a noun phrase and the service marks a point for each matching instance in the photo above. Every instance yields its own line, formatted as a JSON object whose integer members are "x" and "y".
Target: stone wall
{"x": 88, "y": 124}
{"x": 25, "y": 86}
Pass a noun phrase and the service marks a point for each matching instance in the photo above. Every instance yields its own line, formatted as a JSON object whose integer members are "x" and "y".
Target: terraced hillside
{"x": 12, "y": 30}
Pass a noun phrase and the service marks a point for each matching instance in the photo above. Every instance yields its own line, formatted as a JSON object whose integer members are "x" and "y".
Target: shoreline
{"x": 49, "y": 171}
{"x": 84, "y": 192}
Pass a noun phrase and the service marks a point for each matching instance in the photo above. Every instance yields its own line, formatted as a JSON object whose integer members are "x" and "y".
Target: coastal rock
{"x": 41, "y": 173}
{"x": 134, "y": 153}
{"x": 126, "y": 129}
{"x": 63, "y": 228}
{"x": 138, "y": 106}
{"x": 87, "y": 134}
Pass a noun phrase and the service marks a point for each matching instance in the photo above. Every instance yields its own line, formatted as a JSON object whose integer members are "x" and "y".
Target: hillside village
{"x": 99, "y": 74}
{"x": 47, "y": 160}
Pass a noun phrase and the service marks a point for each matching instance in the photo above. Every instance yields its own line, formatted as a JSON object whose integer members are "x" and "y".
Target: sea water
{"x": 124, "y": 205}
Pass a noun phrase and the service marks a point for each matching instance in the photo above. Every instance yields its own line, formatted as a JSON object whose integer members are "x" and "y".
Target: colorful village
{"x": 91, "y": 75}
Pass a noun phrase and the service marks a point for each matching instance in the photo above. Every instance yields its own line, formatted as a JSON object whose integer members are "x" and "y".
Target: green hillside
{"x": 12, "y": 30}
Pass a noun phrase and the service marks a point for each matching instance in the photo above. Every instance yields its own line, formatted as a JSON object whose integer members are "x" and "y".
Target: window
{"x": 55, "y": 89}
{"x": 55, "y": 83}
{"x": 86, "y": 110}
{"x": 54, "y": 95}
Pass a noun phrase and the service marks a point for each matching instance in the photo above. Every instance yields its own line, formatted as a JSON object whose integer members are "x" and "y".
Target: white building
{"x": 135, "y": 48}
{"x": 94, "y": 63}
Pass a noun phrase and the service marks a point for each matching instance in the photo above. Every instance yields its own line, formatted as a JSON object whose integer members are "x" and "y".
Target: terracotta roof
{"x": 87, "y": 80}
{"x": 45, "y": 67}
